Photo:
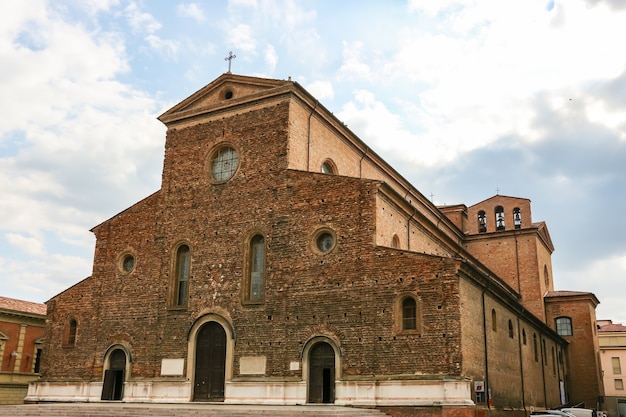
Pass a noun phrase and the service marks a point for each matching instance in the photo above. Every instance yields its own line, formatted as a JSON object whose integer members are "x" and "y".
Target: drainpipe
{"x": 543, "y": 369}
{"x": 308, "y": 138}
{"x": 519, "y": 285}
{"x": 408, "y": 229}
{"x": 521, "y": 363}
{"x": 367, "y": 149}
{"x": 487, "y": 387}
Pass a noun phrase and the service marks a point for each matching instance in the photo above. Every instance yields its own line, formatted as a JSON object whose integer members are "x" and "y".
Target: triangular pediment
{"x": 226, "y": 90}
{"x": 500, "y": 199}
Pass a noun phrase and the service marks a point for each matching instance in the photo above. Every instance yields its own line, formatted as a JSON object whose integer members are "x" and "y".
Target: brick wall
{"x": 348, "y": 294}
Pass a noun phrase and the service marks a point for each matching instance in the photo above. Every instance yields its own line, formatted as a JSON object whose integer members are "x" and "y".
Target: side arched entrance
{"x": 114, "y": 376}
{"x": 210, "y": 363}
{"x": 321, "y": 374}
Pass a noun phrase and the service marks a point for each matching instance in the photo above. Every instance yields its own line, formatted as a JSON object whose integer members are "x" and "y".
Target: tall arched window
{"x": 256, "y": 278}
{"x": 499, "y": 218}
{"x": 70, "y": 332}
{"x": 482, "y": 222}
{"x": 524, "y": 336}
{"x": 395, "y": 241}
{"x": 546, "y": 276}
{"x": 535, "y": 348}
{"x": 183, "y": 266}
{"x": 511, "y": 333}
{"x": 517, "y": 217}
{"x": 494, "y": 320}
{"x": 409, "y": 314}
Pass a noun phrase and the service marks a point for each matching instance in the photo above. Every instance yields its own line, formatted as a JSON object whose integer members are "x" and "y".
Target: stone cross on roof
{"x": 230, "y": 58}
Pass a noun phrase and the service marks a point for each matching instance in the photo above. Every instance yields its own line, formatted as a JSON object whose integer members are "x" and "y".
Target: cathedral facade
{"x": 283, "y": 261}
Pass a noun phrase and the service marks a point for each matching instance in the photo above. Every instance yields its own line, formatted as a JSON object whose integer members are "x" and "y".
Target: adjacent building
{"x": 283, "y": 261}
{"x": 21, "y": 331}
{"x": 612, "y": 339}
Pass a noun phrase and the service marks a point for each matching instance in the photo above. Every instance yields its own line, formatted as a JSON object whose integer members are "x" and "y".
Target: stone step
{"x": 181, "y": 410}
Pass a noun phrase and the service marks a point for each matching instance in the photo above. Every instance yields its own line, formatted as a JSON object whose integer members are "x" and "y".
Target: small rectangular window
{"x": 619, "y": 384}
{"x": 564, "y": 326}
{"x": 617, "y": 367}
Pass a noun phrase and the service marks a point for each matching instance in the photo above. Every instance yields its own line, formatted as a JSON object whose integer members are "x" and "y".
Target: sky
{"x": 465, "y": 98}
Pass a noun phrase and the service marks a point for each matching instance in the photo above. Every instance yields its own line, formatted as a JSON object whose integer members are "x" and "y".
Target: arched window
{"x": 499, "y": 218}
{"x": 70, "y": 333}
{"x": 511, "y": 333}
{"x": 329, "y": 167}
{"x": 564, "y": 326}
{"x": 409, "y": 314}
{"x": 256, "y": 274}
{"x": 546, "y": 276}
{"x": 535, "y": 347}
{"x": 517, "y": 217}
{"x": 494, "y": 320}
{"x": 183, "y": 266}
{"x": 524, "y": 336}
{"x": 482, "y": 222}
{"x": 395, "y": 241}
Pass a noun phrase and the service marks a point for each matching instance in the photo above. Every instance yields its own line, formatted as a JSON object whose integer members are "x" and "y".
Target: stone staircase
{"x": 181, "y": 410}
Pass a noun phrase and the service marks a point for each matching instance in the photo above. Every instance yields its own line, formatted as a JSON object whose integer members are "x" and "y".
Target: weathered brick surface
{"x": 348, "y": 294}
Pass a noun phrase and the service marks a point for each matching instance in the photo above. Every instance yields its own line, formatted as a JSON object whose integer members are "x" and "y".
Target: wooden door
{"x": 210, "y": 368}
{"x": 113, "y": 385}
{"x": 322, "y": 374}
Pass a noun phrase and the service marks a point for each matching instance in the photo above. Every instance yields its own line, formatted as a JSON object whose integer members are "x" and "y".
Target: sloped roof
{"x": 499, "y": 196}
{"x": 613, "y": 327}
{"x": 22, "y": 306}
{"x": 563, "y": 295}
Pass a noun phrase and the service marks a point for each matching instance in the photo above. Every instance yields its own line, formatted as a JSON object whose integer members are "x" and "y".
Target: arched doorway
{"x": 321, "y": 374}
{"x": 210, "y": 363}
{"x": 113, "y": 386}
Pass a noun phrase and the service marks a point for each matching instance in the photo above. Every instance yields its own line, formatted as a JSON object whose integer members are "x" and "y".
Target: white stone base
{"x": 354, "y": 393}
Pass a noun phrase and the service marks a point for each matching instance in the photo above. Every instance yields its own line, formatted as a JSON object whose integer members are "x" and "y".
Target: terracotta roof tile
{"x": 613, "y": 327}
{"x": 22, "y": 306}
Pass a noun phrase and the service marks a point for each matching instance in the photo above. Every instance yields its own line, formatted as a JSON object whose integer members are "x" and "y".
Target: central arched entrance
{"x": 210, "y": 363}
{"x": 113, "y": 385}
{"x": 321, "y": 374}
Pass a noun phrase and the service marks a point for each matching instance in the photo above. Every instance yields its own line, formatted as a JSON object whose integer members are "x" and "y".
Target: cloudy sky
{"x": 466, "y": 98}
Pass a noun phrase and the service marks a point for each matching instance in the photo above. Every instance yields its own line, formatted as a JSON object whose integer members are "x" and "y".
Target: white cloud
{"x": 487, "y": 56}
{"x": 353, "y": 65}
{"x": 271, "y": 58}
{"x": 139, "y": 21}
{"x": 242, "y": 38}
{"x": 167, "y": 48}
{"x": 191, "y": 10}
{"x": 31, "y": 245}
{"x": 65, "y": 133}
{"x": 377, "y": 125}
{"x": 322, "y": 90}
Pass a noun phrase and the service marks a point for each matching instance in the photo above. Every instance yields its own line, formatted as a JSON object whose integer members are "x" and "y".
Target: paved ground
{"x": 180, "y": 410}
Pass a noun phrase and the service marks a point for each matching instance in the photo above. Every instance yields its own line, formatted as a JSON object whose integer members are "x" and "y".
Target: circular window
{"x": 324, "y": 241}
{"x": 128, "y": 263}
{"x": 224, "y": 163}
{"x": 228, "y": 95}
